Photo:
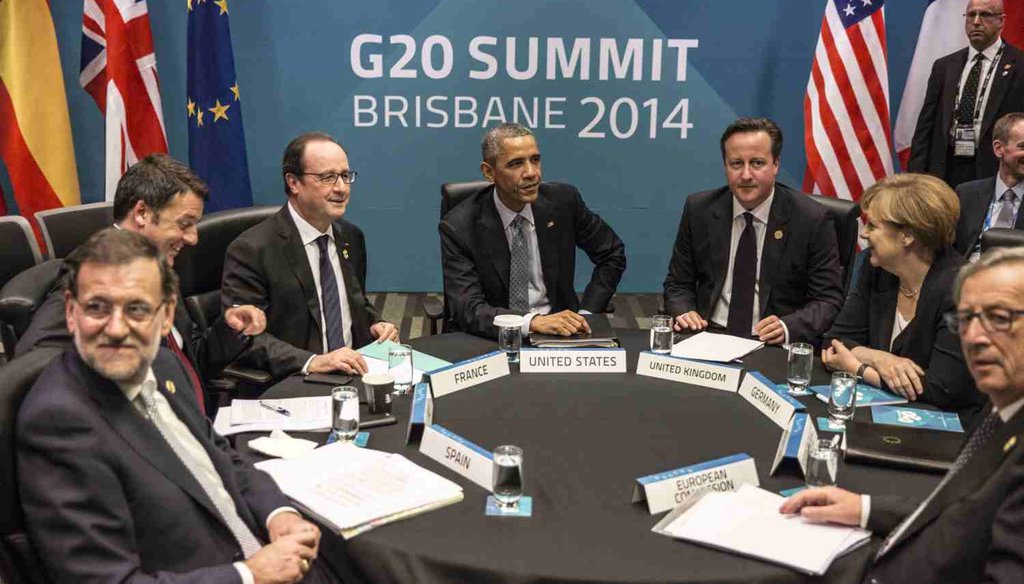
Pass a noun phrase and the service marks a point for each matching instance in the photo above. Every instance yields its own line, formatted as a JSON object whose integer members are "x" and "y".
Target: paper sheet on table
{"x": 374, "y": 365}
{"x": 356, "y": 489}
{"x": 707, "y": 346}
{"x": 748, "y": 522}
{"x": 300, "y": 409}
{"x": 282, "y": 445}
{"x": 222, "y": 423}
{"x": 421, "y": 361}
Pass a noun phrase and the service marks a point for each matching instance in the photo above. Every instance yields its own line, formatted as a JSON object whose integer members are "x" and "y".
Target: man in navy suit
{"x": 121, "y": 478}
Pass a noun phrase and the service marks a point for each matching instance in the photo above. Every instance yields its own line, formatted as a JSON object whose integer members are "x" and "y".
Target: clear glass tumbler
{"x": 661, "y": 334}
{"x": 822, "y": 464}
{"x": 842, "y": 398}
{"x": 507, "y": 477}
{"x": 400, "y": 366}
{"x": 798, "y": 368}
{"x": 345, "y": 413}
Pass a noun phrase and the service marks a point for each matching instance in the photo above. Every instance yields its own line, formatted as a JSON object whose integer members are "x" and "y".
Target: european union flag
{"x": 216, "y": 140}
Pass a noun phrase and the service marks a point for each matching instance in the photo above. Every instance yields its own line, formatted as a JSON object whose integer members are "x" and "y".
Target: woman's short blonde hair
{"x": 921, "y": 204}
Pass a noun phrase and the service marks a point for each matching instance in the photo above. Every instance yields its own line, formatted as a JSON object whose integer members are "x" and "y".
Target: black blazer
{"x": 475, "y": 256}
{"x": 799, "y": 276}
{"x": 975, "y": 198}
{"x": 931, "y": 142}
{"x": 268, "y": 267}
{"x": 971, "y": 531}
{"x": 867, "y": 320}
{"x": 106, "y": 499}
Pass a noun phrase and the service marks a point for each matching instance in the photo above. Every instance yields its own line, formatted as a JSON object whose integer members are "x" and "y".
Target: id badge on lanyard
{"x": 965, "y": 140}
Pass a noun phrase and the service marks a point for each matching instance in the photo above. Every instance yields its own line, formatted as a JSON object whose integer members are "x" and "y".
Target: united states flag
{"x": 119, "y": 72}
{"x": 847, "y": 133}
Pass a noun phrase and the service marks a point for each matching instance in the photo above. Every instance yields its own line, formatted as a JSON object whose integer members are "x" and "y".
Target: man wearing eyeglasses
{"x": 971, "y": 527}
{"x": 967, "y": 91}
{"x": 307, "y": 267}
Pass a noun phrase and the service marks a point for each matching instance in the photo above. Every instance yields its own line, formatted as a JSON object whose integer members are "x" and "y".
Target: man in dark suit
{"x": 511, "y": 248}
{"x": 995, "y": 201}
{"x": 162, "y": 199}
{"x": 755, "y": 258}
{"x": 971, "y": 527}
{"x": 120, "y": 476}
{"x": 967, "y": 91}
{"x": 307, "y": 267}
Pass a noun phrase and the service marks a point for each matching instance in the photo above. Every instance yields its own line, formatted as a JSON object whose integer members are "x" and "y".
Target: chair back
{"x": 1001, "y": 237}
{"x": 456, "y": 192}
{"x": 846, "y": 218}
{"x": 201, "y": 266}
{"x": 19, "y": 563}
{"x": 66, "y": 228}
{"x": 19, "y": 250}
{"x": 22, "y": 296}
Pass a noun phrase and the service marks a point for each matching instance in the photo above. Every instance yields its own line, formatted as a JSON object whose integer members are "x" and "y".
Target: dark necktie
{"x": 744, "y": 275}
{"x": 1006, "y": 217}
{"x": 975, "y": 442}
{"x": 969, "y": 95}
{"x": 192, "y": 375}
{"x": 519, "y": 268}
{"x": 329, "y": 298}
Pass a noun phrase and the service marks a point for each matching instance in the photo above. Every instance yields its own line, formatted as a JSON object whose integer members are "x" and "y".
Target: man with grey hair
{"x": 971, "y": 527}
{"x": 510, "y": 248}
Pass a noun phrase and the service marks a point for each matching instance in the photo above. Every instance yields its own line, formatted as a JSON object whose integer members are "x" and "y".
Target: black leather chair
{"x": 19, "y": 563}
{"x": 66, "y": 228}
{"x": 22, "y": 296}
{"x": 1000, "y": 237}
{"x": 19, "y": 251}
{"x": 846, "y": 216}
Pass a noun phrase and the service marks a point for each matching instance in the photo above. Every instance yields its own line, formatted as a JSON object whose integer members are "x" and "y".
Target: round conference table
{"x": 586, "y": 438}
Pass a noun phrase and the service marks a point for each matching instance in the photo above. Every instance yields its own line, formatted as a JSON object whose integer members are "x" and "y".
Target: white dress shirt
{"x": 309, "y": 234}
{"x": 538, "y": 292}
{"x": 987, "y": 61}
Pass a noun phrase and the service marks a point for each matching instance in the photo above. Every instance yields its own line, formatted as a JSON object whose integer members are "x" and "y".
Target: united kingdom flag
{"x": 119, "y": 72}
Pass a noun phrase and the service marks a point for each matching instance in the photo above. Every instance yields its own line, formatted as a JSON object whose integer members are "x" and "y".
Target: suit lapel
{"x": 184, "y": 324}
{"x": 298, "y": 262}
{"x": 547, "y": 243}
{"x": 494, "y": 241}
{"x": 775, "y": 237}
{"x": 1000, "y": 84}
{"x": 887, "y": 283}
{"x": 720, "y": 237}
{"x": 949, "y": 91}
{"x": 973, "y": 216}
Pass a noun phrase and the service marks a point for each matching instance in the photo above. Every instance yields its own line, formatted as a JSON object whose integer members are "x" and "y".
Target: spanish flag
{"x": 35, "y": 129}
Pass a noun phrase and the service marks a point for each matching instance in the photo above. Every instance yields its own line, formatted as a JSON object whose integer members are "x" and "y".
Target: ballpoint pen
{"x": 278, "y": 409}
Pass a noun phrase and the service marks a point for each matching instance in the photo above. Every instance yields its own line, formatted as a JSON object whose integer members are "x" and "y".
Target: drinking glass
{"x": 661, "y": 334}
{"x": 842, "y": 397}
{"x": 400, "y": 366}
{"x": 798, "y": 368}
{"x": 507, "y": 477}
{"x": 345, "y": 413}
{"x": 822, "y": 464}
{"x": 510, "y": 335}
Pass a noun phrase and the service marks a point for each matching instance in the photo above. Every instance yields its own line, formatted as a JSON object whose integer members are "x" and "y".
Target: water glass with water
{"x": 798, "y": 368}
{"x": 507, "y": 477}
{"x": 822, "y": 463}
{"x": 842, "y": 400}
{"x": 400, "y": 366}
{"x": 661, "y": 334}
{"x": 345, "y": 413}
{"x": 510, "y": 335}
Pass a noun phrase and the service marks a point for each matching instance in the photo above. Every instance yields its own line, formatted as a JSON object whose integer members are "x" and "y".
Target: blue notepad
{"x": 421, "y": 361}
{"x": 916, "y": 418}
{"x": 867, "y": 395}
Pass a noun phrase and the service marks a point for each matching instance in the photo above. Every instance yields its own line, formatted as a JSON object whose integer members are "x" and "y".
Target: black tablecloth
{"x": 586, "y": 438}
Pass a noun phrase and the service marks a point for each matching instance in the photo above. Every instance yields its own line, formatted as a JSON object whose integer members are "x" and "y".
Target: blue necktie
{"x": 329, "y": 298}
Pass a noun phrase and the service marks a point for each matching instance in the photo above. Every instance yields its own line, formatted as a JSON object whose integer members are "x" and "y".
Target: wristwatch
{"x": 860, "y": 371}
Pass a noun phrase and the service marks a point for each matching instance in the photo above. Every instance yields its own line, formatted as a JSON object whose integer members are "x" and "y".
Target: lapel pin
{"x": 551, "y": 224}
{"x": 1009, "y": 444}
{"x": 1005, "y": 73}
{"x": 778, "y": 234}
{"x": 170, "y": 387}
{"x": 1006, "y": 66}
{"x": 344, "y": 253}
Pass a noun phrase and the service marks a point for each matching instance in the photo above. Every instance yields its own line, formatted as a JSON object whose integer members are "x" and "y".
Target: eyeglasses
{"x": 982, "y": 14}
{"x": 993, "y": 320}
{"x": 331, "y": 178}
{"x": 138, "y": 312}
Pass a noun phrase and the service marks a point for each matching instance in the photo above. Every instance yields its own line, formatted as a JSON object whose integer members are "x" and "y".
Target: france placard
{"x": 669, "y": 489}
{"x": 702, "y": 373}
{"x": 458, "y": 454}
{"x": 592, "y": 360}
{"x": 466, "y": 374}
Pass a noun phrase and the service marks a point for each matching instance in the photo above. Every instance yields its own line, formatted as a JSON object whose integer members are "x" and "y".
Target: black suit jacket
{"x": 931, "y": 142}
{"x": 867, "y": 320}
{"x": 799, "y": 276}
{"x": 268, "y": 267}
{"x": 973, "y": 529}
{"x": 975, "y": 198}
{"x": 105, "y": 497}
{"x": 476, "y": 258}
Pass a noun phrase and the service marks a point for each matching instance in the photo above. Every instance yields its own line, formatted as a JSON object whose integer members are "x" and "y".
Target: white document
{"x": 281, "y": 445}
{"x": 707, "y": 346}
{"x": 375, "y": 365}
{"x": 300, "y": 409}
{"x": 748, "y": 522}
{"x": 222, "y": 423}
{"x": 356, "y": 489}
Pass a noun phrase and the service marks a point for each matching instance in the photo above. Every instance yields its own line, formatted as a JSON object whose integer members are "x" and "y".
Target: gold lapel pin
{"x": 1009, "y": 444}
{"x": 344, "y": 253}
{"x": 551, "y": 224}
{"x": 1006, "y": 66}
{"x": 170, "y": 386}
{"x": 778, "y": 234}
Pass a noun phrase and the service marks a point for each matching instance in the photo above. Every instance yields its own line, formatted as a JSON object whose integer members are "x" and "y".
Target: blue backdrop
{"x": 297, "y": 70}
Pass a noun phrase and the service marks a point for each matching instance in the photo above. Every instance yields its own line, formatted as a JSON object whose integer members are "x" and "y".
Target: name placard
{"x": 796, "y": 443}
{"x": 592, "y": 360}
{"x": 666, "y": 490}
{"x": 466, "y": 374}
{"x": 421, "y": 412}
{"x": 458, "y": 454}
{"x": 760, "y": 392}
{"x": 702, "y": 373}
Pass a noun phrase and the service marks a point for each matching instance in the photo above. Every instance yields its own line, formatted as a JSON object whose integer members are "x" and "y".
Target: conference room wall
{"x": 293, "y": 67}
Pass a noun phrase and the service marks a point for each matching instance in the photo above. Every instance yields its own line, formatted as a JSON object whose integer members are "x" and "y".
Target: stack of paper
{"x": 707, "y": 346}
{"x": 353, "y": 490}
{"x": 748, "y": 522}
{"x": 305, "y": 414}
